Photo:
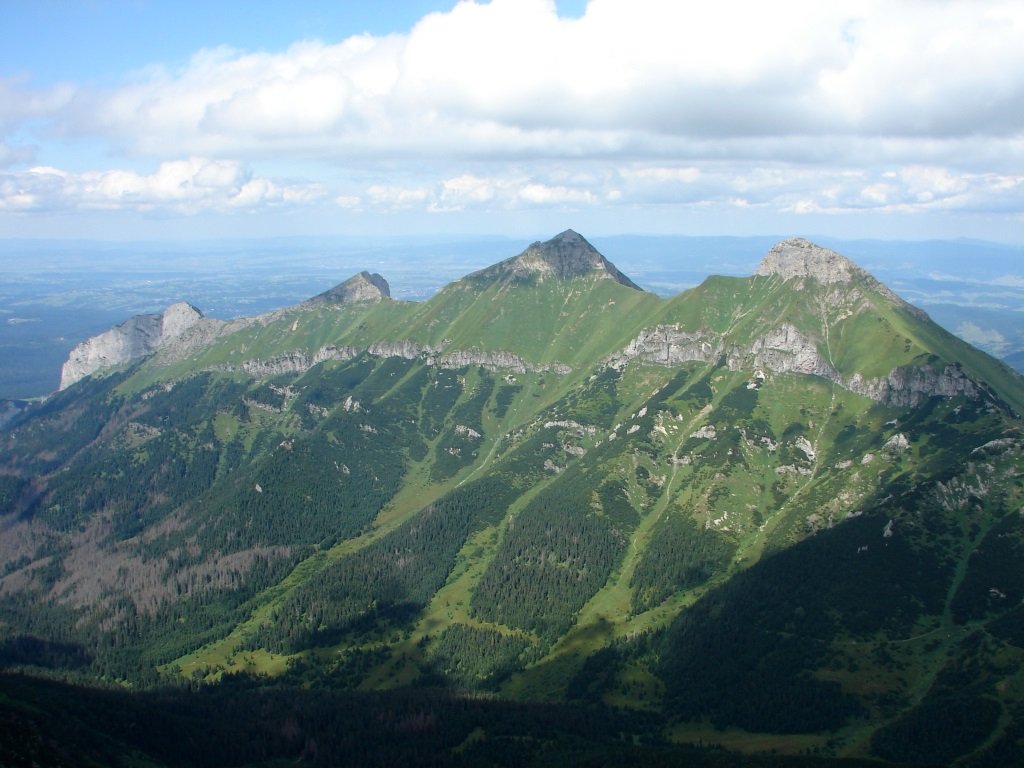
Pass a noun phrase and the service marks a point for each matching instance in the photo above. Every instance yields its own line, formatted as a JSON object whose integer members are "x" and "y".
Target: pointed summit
{"x": 564, "y": 256}
{"x": 797, "y": 257}
{"x": 358, "y": 288}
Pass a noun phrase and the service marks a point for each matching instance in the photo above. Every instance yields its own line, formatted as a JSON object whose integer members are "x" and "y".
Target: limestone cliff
{"x": 668, "y": 345}
{"x": 182, "y": 330}
{"x": 299, "y": 361}
{"x": 797, "y": 258}
{"x": 132, "y": 340}
{"x": 910, "y": 386}
{"x": 785, "y": 349}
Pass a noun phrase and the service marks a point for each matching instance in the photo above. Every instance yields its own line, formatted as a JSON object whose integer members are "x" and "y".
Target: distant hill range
{"x": 772, "y": 513}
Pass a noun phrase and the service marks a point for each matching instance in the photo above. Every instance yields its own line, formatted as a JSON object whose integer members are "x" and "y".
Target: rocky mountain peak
{"x": 797, "y": 257}
{"x": 564, "y": 256}
{"x": 177, "y": 319}
{"x": 358, "y": 288}
{"x": 132, "y": 340}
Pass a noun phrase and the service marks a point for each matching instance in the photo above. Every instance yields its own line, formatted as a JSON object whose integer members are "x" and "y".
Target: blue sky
{"x": 147, "y": 119}
{"x": 99, "y": 41}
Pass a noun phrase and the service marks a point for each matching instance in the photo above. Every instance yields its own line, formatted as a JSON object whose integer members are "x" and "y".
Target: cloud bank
{"x": 185, "y": 186}
{"x": 804, "y": 107}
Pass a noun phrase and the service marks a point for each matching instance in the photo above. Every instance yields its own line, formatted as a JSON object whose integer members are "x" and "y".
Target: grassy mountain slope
{"x": 571, "y": 321}
{"x": 772, "y": 512}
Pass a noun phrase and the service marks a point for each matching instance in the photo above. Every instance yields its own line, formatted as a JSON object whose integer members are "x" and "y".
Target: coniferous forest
{"x": 544, "y": 518}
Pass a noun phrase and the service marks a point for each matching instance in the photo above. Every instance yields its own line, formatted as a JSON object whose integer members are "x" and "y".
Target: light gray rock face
{"x": 198, "y": 337}
{"x": 299, "y": 361}
{"x": 785, "y": 350}
{"x": 781, "y": 349}
{"x": 494, "y": 361}
{"x": 359, "y": 288}
{"x": 910, "y": 386}
{"x": 177, "y": 319}
{"x": 801, "y": 258}
{"x": 182, "y": 330}
{"x": 132, "y": 340}
{"x": 668, "y": 345}
{"x": 296, "y": 362}
{"x": 408, "y": 350}
{"x": 564, "y": 256}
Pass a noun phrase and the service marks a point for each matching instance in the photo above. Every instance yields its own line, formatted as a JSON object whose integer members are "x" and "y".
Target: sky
{"x": 185, "y": 119}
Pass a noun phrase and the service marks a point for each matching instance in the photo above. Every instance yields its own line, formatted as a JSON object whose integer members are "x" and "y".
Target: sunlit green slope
{"x": 774, "y": 512}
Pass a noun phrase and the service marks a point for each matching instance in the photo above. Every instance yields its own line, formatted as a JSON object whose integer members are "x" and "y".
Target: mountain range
{"x": 775, "y": 514}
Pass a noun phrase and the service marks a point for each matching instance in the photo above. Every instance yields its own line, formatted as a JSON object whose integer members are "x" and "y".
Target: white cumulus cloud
{"x": 800, "y": 105}
{"x": 187, "y": 186}
{"x": 542, "y": 194}
{"x": 511, "y": 77}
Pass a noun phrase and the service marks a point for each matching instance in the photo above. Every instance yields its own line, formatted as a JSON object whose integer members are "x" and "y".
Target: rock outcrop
{"x": 177, "y": 319}
{"x": 800, "y": 259}
{"x": 786, "y": 350}
{"x": 296, "y": 362}
{"x": 668, "y": 345}
{"x": 132, "y": 340}
{"x": 797, "y": 258}
{"x": 182, "y": 330}
{"x": 409, "y": 350}
{"x": 909, "y": 386}
{"x": 783, "y": 349}
{"x": 299, "y": 361}
{"x": 564, "y": 256}
{"x": 494, "y": 361}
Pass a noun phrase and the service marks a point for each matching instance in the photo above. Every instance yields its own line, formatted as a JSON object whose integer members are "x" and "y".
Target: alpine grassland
{"x": 542, "y": 517}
